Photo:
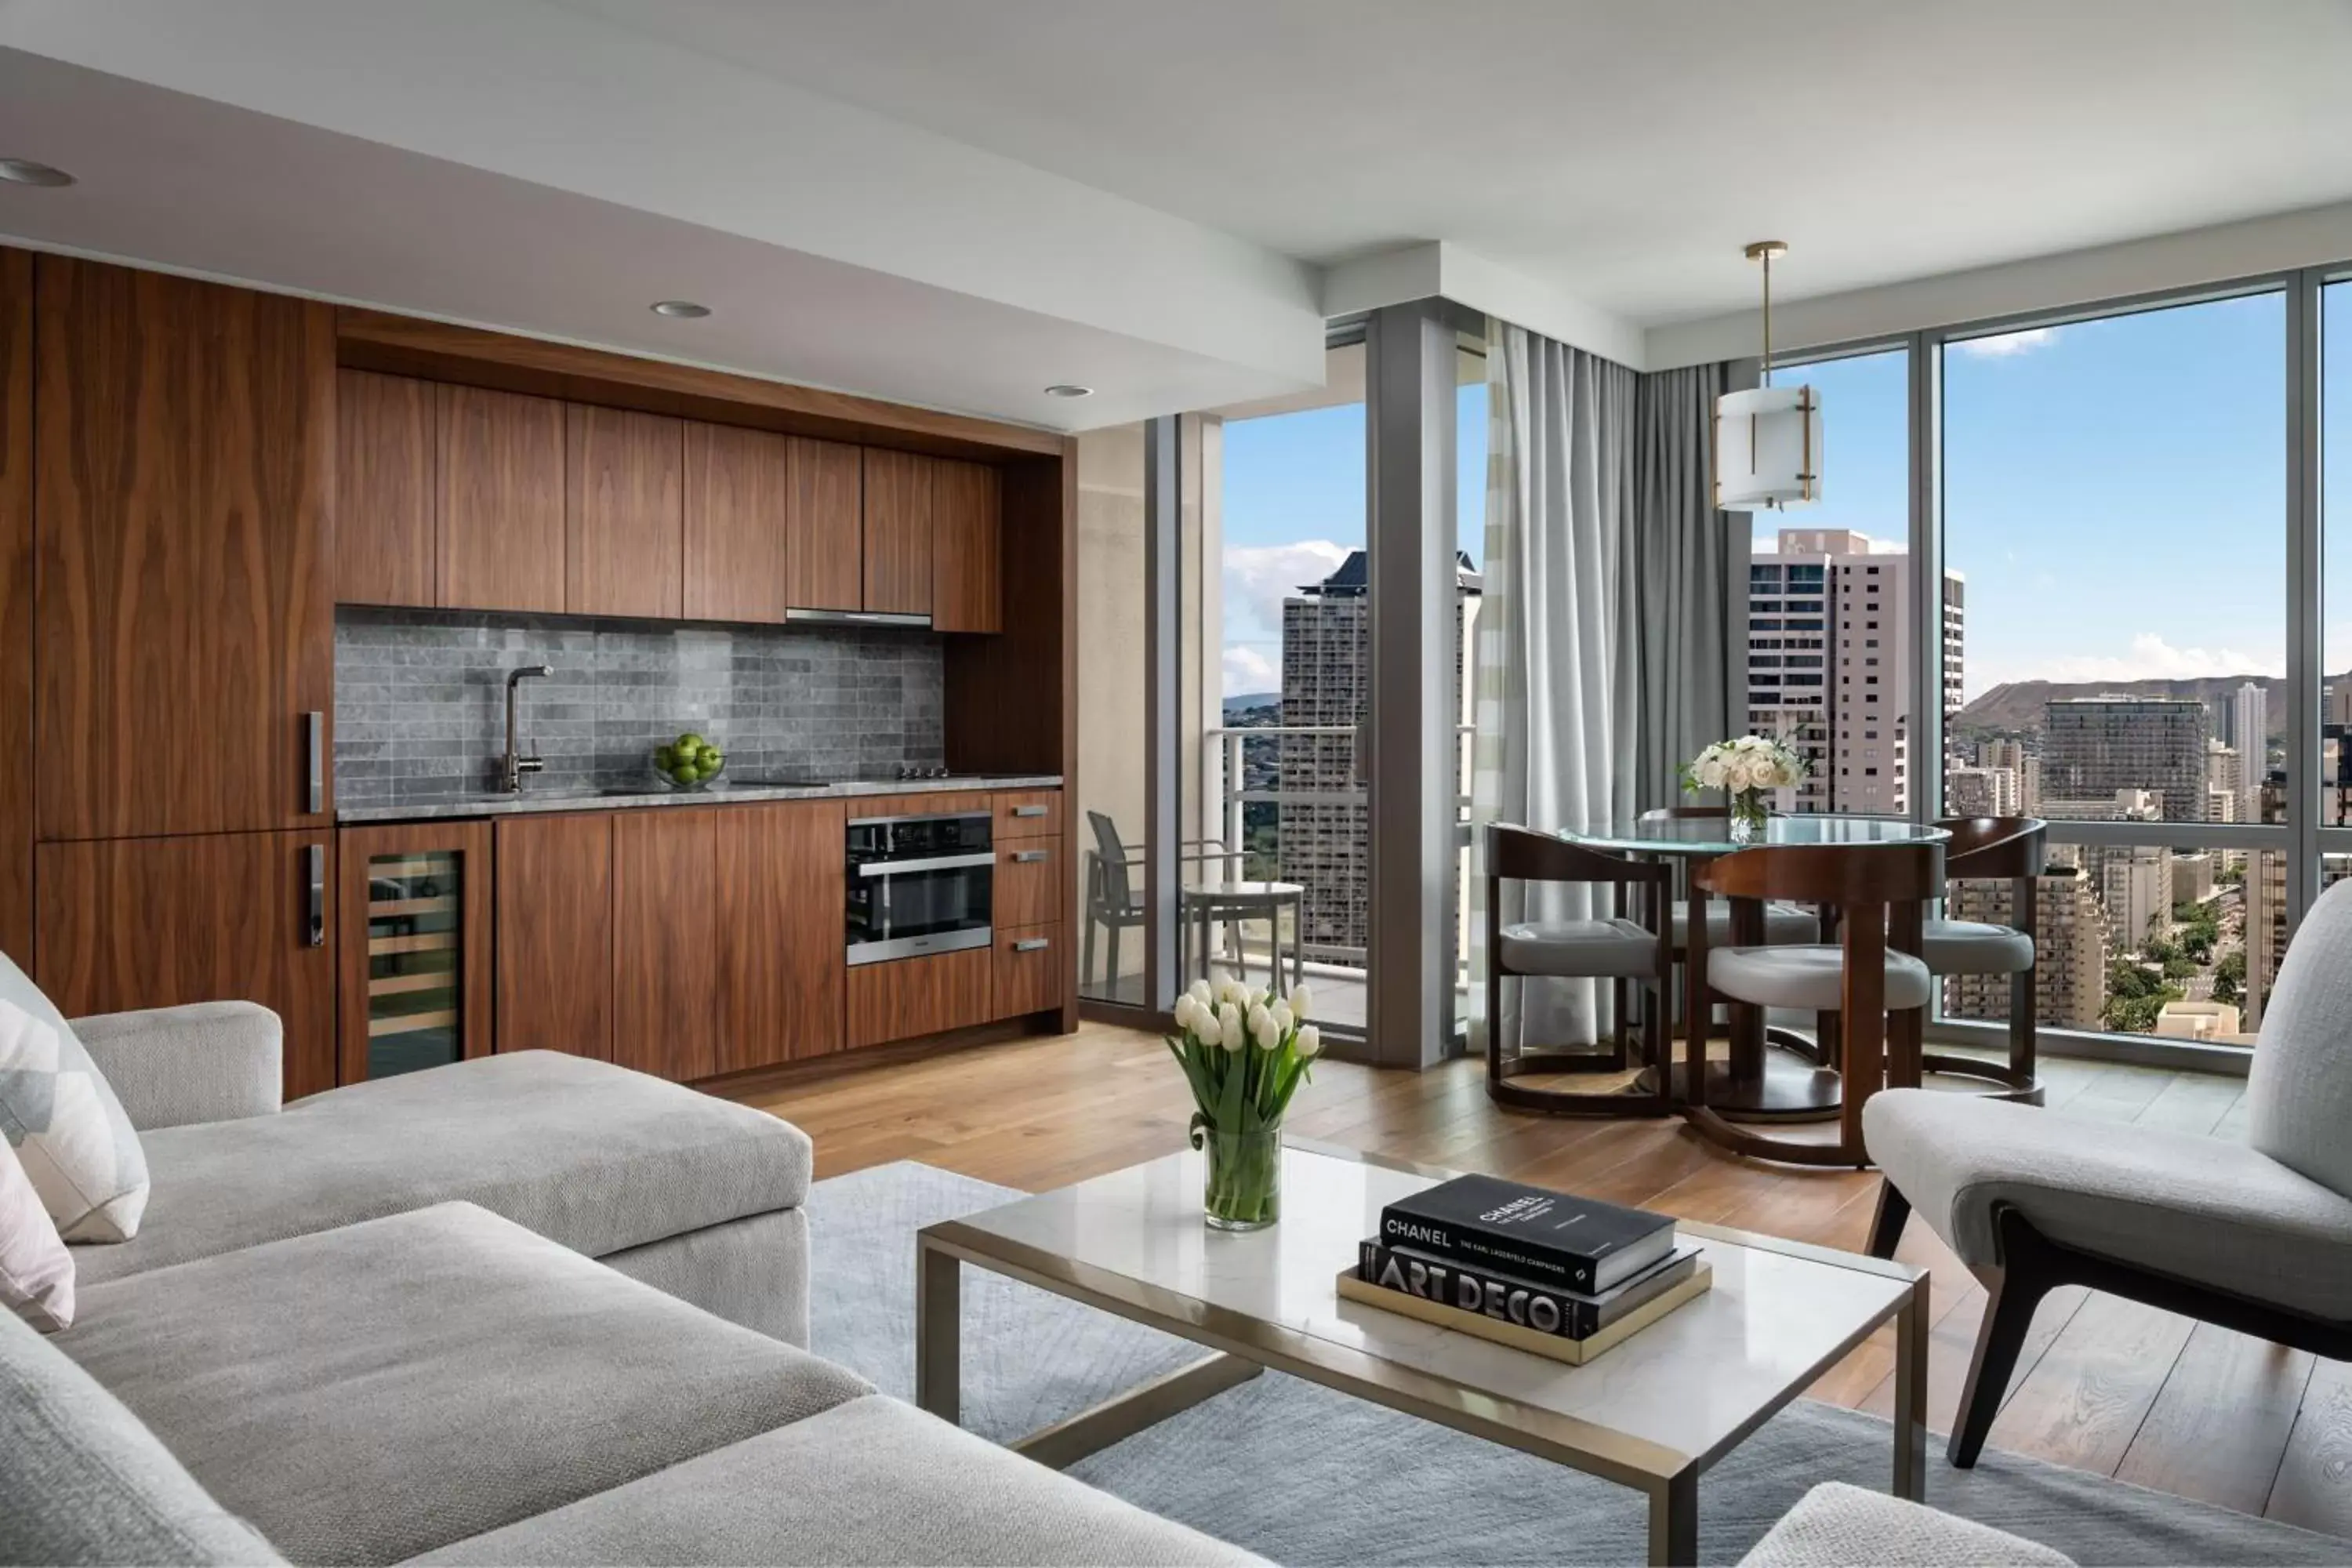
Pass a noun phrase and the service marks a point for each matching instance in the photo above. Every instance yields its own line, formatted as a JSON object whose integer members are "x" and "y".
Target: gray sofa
{"x": 531, "y": 1308}
{"x": 693, "y": 1195}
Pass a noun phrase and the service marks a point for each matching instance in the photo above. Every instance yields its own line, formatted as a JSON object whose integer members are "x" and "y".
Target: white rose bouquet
{"x": 1244, "y": 1053}
{"x": 1744, "y": 768}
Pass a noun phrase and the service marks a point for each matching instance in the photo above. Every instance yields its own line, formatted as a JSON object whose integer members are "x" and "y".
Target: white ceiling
{"x": 1619, "y": 151}
{"x": 957, "y": 202}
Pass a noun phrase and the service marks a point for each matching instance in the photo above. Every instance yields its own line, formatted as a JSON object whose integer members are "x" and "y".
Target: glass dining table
{"x": 1772, "y": 1074}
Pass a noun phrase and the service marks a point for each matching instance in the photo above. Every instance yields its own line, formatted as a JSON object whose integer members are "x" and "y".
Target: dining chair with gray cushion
{"x": 2014, "y": 850}
{"x": 1859, "y": 982}
{"x": 2254, "y": 1237}
{"x": 1783, "y": 922}
{"x": 1611, "y": 948}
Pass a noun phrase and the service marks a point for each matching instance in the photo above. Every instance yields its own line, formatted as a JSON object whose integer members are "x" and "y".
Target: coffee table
{"x": 1653, "y": 1414}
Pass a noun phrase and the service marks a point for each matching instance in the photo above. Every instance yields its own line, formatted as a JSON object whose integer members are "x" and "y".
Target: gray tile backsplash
{"x": 420, "y": 700}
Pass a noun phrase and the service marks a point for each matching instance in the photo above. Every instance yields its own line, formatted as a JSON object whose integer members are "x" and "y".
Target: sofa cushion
{"x": 2203, "y": 1209}
{"x": 1836, "y": 1525}
{"x": 36, "y": 1272}
{"x": 60, "y": 1115}
{"x": 589, "y": 1154}
{"x": 82, "y": 1481}
{"x": 366, "y": 1394}
{"x": 873, "y": 1481}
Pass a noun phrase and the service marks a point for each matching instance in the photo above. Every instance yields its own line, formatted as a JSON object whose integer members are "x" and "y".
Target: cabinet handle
{"x": 1029, "y": 810}
{"x": 1033, "y": 944}
{"x": 314, "y": 724}
{"x": 1027, "y": 857}
{"x": 315, "y": 913}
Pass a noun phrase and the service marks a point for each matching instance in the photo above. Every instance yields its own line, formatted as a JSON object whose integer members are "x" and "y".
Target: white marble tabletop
{"x": 1686, "y": 1389}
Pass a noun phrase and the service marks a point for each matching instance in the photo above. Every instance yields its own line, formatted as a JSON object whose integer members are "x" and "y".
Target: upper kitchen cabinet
{"x": 385, "y": 464}
{"x": 500, "y": 501}
{"x": 185, "y": 459}
{"x": 967, "y": 526}
{"x": 899, "y": 500}
{"x": 625, "y": 513}
{"x": 772, "y": 524}
{"x": 825, "y": 519}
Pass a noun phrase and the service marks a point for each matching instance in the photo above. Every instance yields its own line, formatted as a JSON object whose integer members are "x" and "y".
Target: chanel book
{"x": 1576, "y": 1243}
{"x": 1540, "y": 1307}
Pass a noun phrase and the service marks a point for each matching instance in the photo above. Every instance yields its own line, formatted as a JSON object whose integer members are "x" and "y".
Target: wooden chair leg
{"x": 1619, "y": 1000}
{"x": 1886, "y": 1225}
{"x": 2008, "y": 1316}
{"x": 1906, "y": 1038}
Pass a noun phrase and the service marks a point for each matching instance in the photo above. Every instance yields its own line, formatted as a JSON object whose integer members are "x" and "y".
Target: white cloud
{"x": 2150, "y": 657}
{"x": 1248, "y": 670}
{"x": 2001, "y": 345}
{"x": 1258, "y": 577}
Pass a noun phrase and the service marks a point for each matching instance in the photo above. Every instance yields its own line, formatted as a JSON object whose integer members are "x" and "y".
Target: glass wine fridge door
{"x": 415, "y": 977}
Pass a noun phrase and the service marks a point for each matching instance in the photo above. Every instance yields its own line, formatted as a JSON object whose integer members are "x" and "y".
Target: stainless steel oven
{"x": 919, "y": 885}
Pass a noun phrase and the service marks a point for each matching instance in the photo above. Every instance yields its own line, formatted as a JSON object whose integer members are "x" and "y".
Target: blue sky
{"x": 2115, "y": 494}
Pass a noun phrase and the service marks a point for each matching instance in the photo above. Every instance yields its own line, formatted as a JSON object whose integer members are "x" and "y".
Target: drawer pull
{"x": 314, "y": 732}
{"x": 314, "y": 910}
{"x": 1027, "y": 857}
{"x": 1033, "y": 944}
{"x": 1029, "y": 810}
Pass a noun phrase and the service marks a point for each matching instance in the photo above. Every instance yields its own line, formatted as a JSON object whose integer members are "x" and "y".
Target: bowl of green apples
{"x": 688, "y": 763}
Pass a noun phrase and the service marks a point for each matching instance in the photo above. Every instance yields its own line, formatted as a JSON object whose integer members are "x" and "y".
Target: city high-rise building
{"x": 2250, "y": 726}
{"x": 2265, "y": 904}
{"x": 1323, "y": 844}
{"x": 1982, "y": 792}
{"x": 1830, "y": 665}
{"x": 2070, "y": 941}
{"x": 2025, "y": 764}
{"x": 2094, "y": 746}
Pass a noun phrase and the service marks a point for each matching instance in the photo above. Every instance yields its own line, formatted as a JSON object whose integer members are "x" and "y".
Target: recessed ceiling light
{"x": 25, "y": 171}
{"x": 1066, "y": 389}
{"x": 682, "y": 310}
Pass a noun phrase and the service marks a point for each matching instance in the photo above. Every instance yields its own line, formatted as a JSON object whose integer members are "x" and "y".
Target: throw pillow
{"x": 36, "y": 1272}
{"x": 59, "y": 1115}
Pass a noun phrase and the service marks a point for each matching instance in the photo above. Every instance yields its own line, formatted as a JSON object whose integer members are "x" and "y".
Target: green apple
{"x": 665, "y": 758}
{"x": 689, "y": 743}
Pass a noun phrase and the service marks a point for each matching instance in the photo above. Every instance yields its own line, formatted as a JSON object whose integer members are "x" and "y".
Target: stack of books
{"x": 1561, "y": 1276}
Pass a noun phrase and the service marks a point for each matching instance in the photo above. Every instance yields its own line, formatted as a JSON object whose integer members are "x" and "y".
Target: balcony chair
{"x": 1112, "y": 902}
{"x": 2014, "y": 849}
{"x": 1871, "y": 989}
{"x": 2254, "y": 1237}
{"x": 1611, "y": 948}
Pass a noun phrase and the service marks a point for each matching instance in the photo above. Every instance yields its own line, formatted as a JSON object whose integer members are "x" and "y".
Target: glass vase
{"x": 1242, "y": 1187}
{"x": 1747, "y": 817}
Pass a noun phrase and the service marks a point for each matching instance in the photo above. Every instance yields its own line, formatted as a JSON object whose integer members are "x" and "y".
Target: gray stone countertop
{"x": 720, "y": 793}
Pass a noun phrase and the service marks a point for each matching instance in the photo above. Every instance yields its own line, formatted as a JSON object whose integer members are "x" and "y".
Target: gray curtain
{"x": 1615, "y": 600}
{"x": 1556, "y": 685}
{"x": 1690, "y": 572}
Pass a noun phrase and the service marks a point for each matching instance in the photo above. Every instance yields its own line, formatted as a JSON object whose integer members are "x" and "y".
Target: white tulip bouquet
{"x": 1745, "y": 768}
{"x": 1244, "y": 1053}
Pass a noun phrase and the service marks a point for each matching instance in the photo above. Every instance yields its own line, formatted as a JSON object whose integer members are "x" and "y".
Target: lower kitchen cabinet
{"x": 666, "y": 939}
{"x": 157, "y": 922}
{"x": 415, "y": 930}
{"x": 555, "y": 935}
{"x": 910, "y": 996}
{"x": 778, "y": 894}
{"x": 1032, "y": 970}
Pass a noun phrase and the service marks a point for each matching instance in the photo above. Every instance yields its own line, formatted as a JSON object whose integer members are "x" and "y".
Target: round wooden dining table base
{"x": 1791, "y": 1088}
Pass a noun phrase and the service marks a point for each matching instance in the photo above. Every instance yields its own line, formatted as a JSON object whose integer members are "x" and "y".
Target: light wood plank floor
{"x": 2106, "y": 1385}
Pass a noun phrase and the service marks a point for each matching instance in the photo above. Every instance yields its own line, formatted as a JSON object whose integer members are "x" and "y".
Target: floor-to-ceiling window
{"x": 2115, "y": 512}
{"x": 1108, "y": 889}
{"x": 1829, "y": 612}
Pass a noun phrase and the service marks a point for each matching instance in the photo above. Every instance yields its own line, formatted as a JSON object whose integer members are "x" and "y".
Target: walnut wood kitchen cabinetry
{"x": 183, "y": 649}
{"x": 414, "y": 934}
{"x": 967, "y": 571}
{"x": 388, "y": 463}
{"x": 625, "y": 513}
{"x": 778, "y": 893}
{"x": 499, "y": 500}
{"x": 666, "y": 939}
{"x": 155, "y": 922}
{"x": 772, "y": 523}
{"x": 899, "y": 498}
{"x": 1032, "y": 970}
{"x": 555, "y": 933}
{"x": 16, "y": 786}
{"x": 911, "y": 997}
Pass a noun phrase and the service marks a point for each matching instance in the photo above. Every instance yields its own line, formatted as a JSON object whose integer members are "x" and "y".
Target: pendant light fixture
{"x": 1768, "y": 441}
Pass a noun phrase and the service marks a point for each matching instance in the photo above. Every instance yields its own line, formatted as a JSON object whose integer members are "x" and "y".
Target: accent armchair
{"x": 2254, "y": 1237}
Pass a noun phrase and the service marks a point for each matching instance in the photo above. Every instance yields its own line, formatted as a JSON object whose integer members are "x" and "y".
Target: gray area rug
{"x": 1303, "y": 1476}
